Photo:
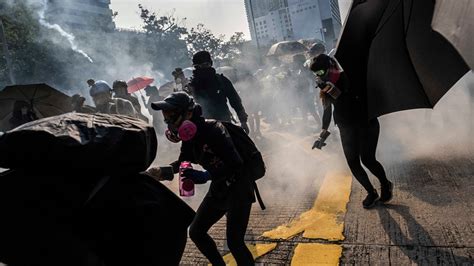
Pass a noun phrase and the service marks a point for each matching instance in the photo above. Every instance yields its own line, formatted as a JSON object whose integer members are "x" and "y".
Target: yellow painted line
{"x": 316, "y": 254}
{"x": 326, "y": 219}
{"x": 257, "y": 250}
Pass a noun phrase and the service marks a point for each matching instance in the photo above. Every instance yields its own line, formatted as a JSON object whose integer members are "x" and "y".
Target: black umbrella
{"x": 453, "y": 19}
{"x": 41, "y": 99}
{"x": 389, "y": 48}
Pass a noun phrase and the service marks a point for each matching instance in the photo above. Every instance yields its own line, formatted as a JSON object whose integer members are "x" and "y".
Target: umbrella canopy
{"x": 453, "y": 19}
{"x": 389, "y": 47}
{"x": 138, "y": 83}
{"x": 41, "y": 99}
{"x": 286, "y": 48}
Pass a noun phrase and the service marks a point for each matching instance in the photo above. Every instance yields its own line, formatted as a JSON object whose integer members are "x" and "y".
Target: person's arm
{"x": 234, "y": 99}
{"x": 327, "y": 116}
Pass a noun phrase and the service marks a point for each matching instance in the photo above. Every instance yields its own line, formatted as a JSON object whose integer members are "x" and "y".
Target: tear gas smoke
{"x": 43, "y": 6}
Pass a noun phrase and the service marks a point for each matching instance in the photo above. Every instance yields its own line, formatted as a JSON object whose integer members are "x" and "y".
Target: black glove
{"x": 198, "y": 177}
{"x": 320, "y": 142}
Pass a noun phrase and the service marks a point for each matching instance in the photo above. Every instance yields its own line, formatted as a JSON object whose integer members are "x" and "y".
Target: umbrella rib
{"x": 409, "y": 18}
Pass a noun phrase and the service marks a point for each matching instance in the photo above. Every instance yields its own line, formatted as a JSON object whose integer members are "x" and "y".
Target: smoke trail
{"x": 56, "y": 27}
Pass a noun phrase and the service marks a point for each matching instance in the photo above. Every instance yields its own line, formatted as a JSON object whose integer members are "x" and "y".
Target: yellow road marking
{"x": 316, "y": 254}
{"x": 326, "y": 219}
{"x": 257, "y": 250}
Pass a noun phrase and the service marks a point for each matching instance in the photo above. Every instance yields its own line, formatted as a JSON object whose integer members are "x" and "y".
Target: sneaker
{"x": 386, "y": 193}
{"x": 370, "y": 200}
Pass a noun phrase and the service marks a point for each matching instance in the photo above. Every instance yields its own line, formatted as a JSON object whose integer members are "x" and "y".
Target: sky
{"x": 220, "y": 16}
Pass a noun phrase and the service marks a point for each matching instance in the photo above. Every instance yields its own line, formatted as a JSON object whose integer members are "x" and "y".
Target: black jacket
{"x": 213, "y": 149}
{"x": 212, "y": 91}
{"x": 350, "y": 108}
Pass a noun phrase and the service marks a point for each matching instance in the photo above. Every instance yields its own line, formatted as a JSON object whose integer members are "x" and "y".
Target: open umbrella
{"x": 389, "y": 47}
{"x": 286, "y": 48}
{"x": 138, "y": 83}
{"x": 453, "y": 19}
{"x": 41, "y": 99}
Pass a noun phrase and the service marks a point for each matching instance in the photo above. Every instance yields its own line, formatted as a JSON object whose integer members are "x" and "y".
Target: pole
{"x": 3, "y": 39}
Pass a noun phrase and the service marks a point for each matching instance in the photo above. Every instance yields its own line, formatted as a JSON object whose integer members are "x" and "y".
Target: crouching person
{"x": 231, "y": 193}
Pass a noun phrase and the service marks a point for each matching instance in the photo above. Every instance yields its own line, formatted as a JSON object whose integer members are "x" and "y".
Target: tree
{"x": 201, "y": 38}
{"x": 165, "y": 35}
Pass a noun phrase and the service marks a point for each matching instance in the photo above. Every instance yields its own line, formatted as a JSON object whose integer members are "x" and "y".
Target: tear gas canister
{"x": 186, "y": 185}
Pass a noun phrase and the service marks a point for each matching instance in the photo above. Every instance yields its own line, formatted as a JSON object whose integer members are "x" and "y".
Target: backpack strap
{"x": 259, "y": 198}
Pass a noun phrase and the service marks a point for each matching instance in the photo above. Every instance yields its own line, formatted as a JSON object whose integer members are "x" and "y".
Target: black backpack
{"x": 255, "y": 166}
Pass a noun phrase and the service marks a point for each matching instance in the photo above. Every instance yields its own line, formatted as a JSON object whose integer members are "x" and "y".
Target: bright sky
{"x": 221, "y": 16}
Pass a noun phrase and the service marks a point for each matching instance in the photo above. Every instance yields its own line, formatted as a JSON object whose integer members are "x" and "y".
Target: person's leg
{"x": 350, "y": 139}
{"x": 351, "y": 147}
{"x": 206, "y": 216}
{"x": 368, "y": 140}
{"x": 237, "y": 221}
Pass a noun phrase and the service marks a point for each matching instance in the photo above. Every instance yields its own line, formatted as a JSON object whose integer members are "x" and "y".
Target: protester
{"x": 22, "y": 113}
{"x": 154, "y": 96}
{"x": 212, "y": 91}
{"x": 119, "y": 88}
{"x": 251, "y": 91}
{"x": 101, "y": 94}
{"x": 231, "y": 193}
{"x": 180, "y": 80}
{"x": 77, "y": 102}
{"x": 305, "y": 94}
{"x": 359, "y": 136}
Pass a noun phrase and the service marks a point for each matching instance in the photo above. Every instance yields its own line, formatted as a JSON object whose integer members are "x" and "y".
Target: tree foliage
{"x": 42, "y": 55}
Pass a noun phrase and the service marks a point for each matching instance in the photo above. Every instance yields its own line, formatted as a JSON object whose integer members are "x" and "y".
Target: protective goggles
{"x": 172, "y": 119}
{"x": 320, "y": 73}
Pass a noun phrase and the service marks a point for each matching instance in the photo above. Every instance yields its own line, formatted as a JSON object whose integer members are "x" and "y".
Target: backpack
{"x": 255, "y": 166}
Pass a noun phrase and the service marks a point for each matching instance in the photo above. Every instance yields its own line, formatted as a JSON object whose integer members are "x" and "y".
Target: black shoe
{"x": 370, "y": 200}
{"x": 386, "y": 193}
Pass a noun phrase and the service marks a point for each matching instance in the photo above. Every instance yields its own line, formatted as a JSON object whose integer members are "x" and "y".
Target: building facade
{"x": 272, "y": 21}
{"x": 81, "y": 14}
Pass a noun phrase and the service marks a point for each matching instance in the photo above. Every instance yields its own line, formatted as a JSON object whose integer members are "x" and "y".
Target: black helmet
{"x": 119, "y": 83}
{"x": 177, "y": 100}
{"x": 320, "y": 62}
{"x": 202, "y": 57}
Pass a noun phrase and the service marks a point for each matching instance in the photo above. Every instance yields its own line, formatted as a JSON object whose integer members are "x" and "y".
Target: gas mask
{"x": 185, "y": 131}
{"x": 326, "y": 80}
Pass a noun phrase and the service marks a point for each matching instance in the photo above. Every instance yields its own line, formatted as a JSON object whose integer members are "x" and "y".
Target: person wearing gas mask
{"x": 212, "y": 90}
{"x": 101, "y": 94}
{"x": 208, "y": 143}
{"x": 359, "y": 136}
{"x": 119, "y": 87}
{"x": 22, "y": 113}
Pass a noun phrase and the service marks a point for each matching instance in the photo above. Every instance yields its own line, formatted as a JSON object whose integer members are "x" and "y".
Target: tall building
{"x": 272, "y": 21}
{"x": 81, "y": 14}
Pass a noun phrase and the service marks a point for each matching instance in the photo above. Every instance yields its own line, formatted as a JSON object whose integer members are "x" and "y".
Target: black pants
{"x": 237, "y": 220}
{"x": 359, "y": 144}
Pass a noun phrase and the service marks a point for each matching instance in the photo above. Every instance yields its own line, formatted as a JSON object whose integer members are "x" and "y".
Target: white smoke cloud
{"x": 42, "y": 6}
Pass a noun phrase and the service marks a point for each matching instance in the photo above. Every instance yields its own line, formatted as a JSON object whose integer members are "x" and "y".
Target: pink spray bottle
{"x": 186, "y": 187}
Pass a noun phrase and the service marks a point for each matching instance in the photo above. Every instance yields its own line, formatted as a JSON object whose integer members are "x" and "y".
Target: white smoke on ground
{"x": 42, "y": 8}
{"x": 445, "y": 131}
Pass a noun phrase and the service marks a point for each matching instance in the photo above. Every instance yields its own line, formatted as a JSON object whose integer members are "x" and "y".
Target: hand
{"x": 245, "y": 127}
{"x": 198, "y": 177}
{"x": 155, "y": 173}
{"x": 320, "y": 142}
{"x": 160, "y": 173}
